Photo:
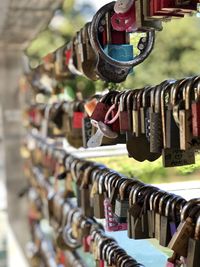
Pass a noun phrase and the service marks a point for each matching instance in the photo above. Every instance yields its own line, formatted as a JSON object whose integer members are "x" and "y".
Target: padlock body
{"x": 196, "y": 119}
{"x": 193, "y": 257}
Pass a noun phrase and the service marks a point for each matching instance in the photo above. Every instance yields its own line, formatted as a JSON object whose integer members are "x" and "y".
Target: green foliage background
{"x": 176, "y": 55}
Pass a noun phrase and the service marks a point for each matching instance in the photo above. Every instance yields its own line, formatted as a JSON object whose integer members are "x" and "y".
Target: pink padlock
{"x": 101, "y": 263}
{"x": 124, "y": 18}
{"x": 169, "y": 264}
{"x": 174, "y": 261}
{"x": 111, "y": 224}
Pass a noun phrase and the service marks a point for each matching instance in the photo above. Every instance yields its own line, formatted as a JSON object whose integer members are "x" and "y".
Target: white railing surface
{"x": 188, "y": 190}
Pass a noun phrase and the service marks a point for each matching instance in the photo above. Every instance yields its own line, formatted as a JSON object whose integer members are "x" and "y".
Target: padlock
{"x": 196, "y": 113}
{"x": 172, "y": 129}
{"x": 129, "y": 104}
{"x": 135, "y": 211}
{"x": 142, "y": 20}
{"x": 135, "y": 114}
{"x": 193, "y": 255}
{"x": 103, "y": 106}
{"x": 185, "y": 116}
{"x": 171, "y": 154}
{"x": 88, "y": 58}
{"x": 156, "y": 133}
{"x": 124, "y": 18}
{"x": 123, "y": 115}
{"x": 119, "y": 52}
{"x": 137, "y": 129}
{"x": 175, "y": 217}
{"x": 97, "y": 195}
{"x": 146, "y": 207}
{"x": 61, "y": 69}
{"x": 151, "y": 214}
{"x": 115, "y": 112}
{"x": 107, "y": 68}
{"x": 111, "y": 223}
{"x": 169, "y": 8}
{"x": 85, "y": 193}
{"x": 161, "y": 209}
{"x": 122, "y": 202}
{"x": 77, "y": 119}
{"x": 185, "y": 230}
{"x": 71, "y": 58}
{"x": 157, "y": 215}
{"x": 165, "y": 235}
{"x": 173, "y": 261}
{"x": 86, "y": 131}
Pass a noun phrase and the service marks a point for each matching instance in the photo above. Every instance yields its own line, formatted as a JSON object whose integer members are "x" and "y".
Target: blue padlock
{"x": 121, "y": 52}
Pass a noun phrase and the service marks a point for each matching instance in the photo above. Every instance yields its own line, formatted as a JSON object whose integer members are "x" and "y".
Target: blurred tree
{"x": 65, "y": 23}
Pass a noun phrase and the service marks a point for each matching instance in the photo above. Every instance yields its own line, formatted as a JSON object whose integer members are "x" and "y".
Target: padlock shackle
{"x": 133, "y": 191}
{"x": 197, "y": 229}
{"x": 187, "y": 207}
{"x": 146, "y": 93}
{"x": 139, "y": 98}
{"x": 99, "y": 50}
{"x": 188, "y": 90}
{"x": 135, "y": 97}
{"x": 163, "y": 202}
{"x": 159, "y": 93}
{"x": 176, "y": 87}
{"x": 157, "y": 199}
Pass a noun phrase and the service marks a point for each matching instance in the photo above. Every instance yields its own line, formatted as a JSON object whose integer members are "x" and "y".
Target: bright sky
{"x": 97, "y": 4}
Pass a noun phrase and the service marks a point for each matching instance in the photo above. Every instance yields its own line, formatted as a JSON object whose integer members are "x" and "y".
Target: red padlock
{"x": 68, "y": 55}
{"x": 172, "y": 8}
{"x": 123, "y": 115}
{"x": 118, "y": 37}
{"x": 61, "y": 258}
{"x": 86, "y": 245}
{"x": 101, "y": 263}
{"x": 78, "y": 119}
{"x": 103, "y": 106}
{"x": 124, "y": 19}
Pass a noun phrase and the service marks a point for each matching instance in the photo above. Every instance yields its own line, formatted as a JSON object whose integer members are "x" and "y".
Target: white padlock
{"x": 122, "y": 6}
